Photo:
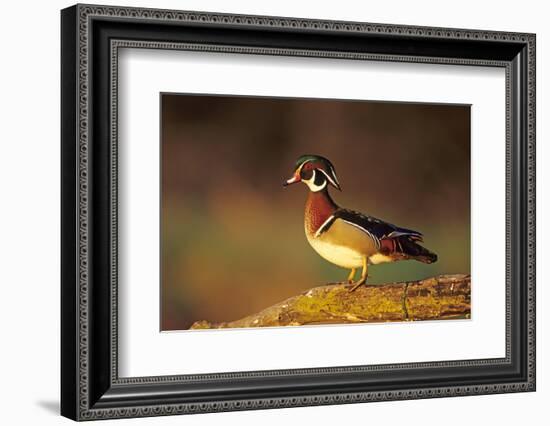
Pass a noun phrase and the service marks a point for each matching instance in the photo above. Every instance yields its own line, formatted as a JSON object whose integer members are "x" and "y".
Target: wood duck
{"x": 345, "y": 237}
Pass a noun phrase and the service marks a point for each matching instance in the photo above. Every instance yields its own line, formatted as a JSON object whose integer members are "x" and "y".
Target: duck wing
{"x": 373, "y": 226}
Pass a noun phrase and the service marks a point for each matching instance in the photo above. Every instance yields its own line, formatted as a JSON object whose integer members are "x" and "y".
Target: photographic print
{"x": 290, "y": 212}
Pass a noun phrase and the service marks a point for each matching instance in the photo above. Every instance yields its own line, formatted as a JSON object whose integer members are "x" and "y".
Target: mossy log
{"x": 437, "y": 298}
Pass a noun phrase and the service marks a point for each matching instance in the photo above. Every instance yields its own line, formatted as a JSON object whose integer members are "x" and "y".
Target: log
{"x": 437, "y": 298}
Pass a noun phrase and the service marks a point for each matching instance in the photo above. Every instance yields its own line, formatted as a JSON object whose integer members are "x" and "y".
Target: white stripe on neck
{"x": 311, "y": 183}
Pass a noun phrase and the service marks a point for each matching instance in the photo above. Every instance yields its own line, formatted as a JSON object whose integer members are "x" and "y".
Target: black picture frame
{"x": 90, "y": 386}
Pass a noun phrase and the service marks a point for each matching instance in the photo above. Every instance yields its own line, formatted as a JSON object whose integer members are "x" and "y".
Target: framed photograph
{"x": 263, "y": 212}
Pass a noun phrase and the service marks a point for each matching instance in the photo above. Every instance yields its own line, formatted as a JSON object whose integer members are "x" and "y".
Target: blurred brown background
{"x": 233, "y": 238}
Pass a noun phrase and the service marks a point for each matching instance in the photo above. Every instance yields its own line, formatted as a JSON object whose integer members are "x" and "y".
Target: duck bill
{"x": 293, "y": 179}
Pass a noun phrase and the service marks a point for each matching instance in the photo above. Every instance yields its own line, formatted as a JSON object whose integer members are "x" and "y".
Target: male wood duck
{"x": 345, "y": 237}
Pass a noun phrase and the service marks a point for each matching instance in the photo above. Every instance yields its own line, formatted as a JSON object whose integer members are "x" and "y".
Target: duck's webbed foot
{"x": 358, "y": 284}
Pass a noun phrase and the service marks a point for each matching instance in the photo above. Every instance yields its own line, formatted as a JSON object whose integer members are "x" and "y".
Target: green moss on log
{"x": 437, "y": 298}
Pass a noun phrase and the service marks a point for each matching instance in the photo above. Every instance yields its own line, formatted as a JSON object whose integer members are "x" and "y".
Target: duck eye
{"x": 306, "y": 173}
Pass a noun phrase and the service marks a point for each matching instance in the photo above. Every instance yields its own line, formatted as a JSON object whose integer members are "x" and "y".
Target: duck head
{"x": 315, "y": 171}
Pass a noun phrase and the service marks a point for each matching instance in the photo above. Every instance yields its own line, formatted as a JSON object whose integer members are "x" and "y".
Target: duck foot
{"x": 346, "y": 283}
{"x": 357, "y": 285}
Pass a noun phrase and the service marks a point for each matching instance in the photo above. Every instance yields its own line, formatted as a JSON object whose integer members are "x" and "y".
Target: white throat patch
{"x": 311, "y": 183}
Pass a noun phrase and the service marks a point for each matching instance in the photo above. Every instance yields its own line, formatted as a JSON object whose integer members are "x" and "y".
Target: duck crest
{"x": 319, "y": 207}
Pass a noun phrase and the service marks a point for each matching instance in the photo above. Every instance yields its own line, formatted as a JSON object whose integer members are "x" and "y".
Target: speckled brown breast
{"x": 319, "y": 207}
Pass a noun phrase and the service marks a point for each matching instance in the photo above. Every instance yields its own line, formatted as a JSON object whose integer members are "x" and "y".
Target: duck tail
{"x": 413, "y": 250}
{"x": 409, "y": 248}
